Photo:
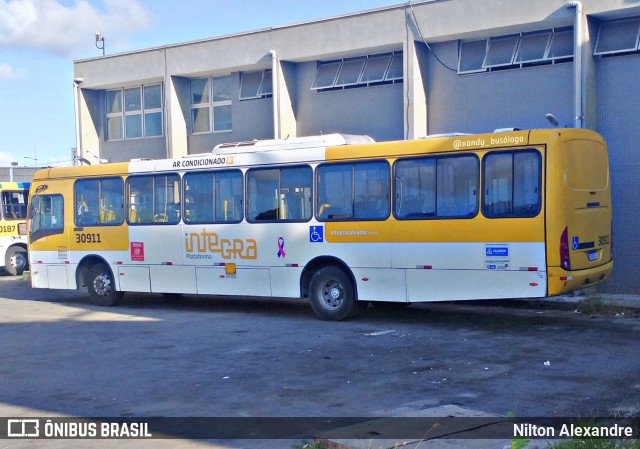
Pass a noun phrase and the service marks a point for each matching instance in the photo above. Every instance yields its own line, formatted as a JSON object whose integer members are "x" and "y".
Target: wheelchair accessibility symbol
{"x": 316, "y": 234}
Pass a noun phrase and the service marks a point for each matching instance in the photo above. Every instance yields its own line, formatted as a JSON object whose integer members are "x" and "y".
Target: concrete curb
{"x": 432, "y": 440}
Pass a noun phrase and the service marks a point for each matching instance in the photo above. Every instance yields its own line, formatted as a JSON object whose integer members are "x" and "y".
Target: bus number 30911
{"x": 88, "y": 238}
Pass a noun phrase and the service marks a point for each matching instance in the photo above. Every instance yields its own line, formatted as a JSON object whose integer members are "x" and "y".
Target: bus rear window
{"x": 587, "y": 164}
{"x": 14, "y": 204}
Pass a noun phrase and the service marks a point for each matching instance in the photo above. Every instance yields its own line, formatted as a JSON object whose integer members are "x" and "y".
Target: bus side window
{"x": 511, "y": 184}
{"x": 47, "y": 216}
{"x": 228, "y": 195}
{"x": 335, "y": 186}
{"x": 213, "y": 197}
{"x": 87, "y": 210}
{"x": 295, "y": 193}
{"x": 436, "y": 187}
{"x": 353, "y": 191}
{"x": 139, "y": 190}
{"x": 111, "y": 201}
{"x": 371, "y": 189}
{"x": 263, "y": 194}
{"x": 98, "y": 201}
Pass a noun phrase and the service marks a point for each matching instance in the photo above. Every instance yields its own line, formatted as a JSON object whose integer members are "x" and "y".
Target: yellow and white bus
{"x": 13, "y": 217}
{"x": 338, "y": 219}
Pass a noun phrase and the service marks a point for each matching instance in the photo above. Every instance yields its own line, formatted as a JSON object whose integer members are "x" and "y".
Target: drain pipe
{"x": 76, "y": 103}
{"x": 275, "y": 95}
{"x": 578, "y": 36}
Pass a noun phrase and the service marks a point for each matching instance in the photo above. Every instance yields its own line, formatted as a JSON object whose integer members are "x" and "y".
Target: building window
{"x": 211, "y": 104}
{"x": 533, "y": 46}
{"x": 114, "y": 115}
{"x": 134, "y": 112}
{"x": 361, "y": 71}
{"x": 501, "y": 51}
{"x": 515, "y": 51}
{"x": 256, "y": 85}
{"x": 618, "y": 36}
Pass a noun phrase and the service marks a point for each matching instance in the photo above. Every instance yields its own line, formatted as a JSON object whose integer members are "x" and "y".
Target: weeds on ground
{"x": 596, "y": 443}
{"x": 597, "y": 306}
{"x": 307, "y": 445}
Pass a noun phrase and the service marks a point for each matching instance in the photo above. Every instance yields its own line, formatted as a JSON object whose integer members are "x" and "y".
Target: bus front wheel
{"x": 16, "y": 260}
{"x": 101, "y": 286}
{"x": 333, "y": 296}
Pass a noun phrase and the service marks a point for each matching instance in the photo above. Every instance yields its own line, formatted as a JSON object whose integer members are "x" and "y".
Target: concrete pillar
{"x": 285, "y": 124}
{"x": 415, "y": 94}
{"x": 90, "y": 106}
{"x": 177, "y": 110}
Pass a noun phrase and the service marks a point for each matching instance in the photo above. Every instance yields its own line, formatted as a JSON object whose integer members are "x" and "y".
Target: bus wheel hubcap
{"x": 332, "y": 295}
{"x": 102, "y": 285}
{"x": 18, "y": 261}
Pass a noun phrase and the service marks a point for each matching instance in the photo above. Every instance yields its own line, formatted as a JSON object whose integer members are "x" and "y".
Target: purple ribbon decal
{"x": 281, "y": 252}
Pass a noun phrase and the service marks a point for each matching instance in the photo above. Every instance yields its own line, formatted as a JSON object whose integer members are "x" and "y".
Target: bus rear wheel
{"x": 101, "y": 286}
{"x": 16, "y": 260}
{"x": 333, "y": 296}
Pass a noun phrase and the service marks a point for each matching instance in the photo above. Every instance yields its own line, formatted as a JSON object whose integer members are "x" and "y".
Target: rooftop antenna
{"x": 100, "y": 42}
{"x": 552, "y": 119}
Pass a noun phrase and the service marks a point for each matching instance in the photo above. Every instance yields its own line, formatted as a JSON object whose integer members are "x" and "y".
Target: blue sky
{"x": 40, "y": 39}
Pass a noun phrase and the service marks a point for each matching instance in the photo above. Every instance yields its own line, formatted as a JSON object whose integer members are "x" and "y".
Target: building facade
{"x": 17, "y": 174}
{"x": 400, "y": 72}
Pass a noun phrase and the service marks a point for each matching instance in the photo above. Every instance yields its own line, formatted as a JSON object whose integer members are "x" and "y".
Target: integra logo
{"x": 205, "y": 244}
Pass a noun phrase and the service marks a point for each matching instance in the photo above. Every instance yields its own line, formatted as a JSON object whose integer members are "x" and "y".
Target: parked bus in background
{"x": 340, "y": 220}
{"x": 13, "y": 216}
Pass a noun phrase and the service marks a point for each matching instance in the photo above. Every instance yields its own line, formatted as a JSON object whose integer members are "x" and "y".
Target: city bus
{"x": 13, "y": 216}
{"x": 340, "y": 220}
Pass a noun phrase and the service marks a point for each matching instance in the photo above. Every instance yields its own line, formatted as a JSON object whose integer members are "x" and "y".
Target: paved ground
{"x": 154, "y": 356}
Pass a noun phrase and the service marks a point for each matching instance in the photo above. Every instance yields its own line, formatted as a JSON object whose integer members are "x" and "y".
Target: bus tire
{"x": 16, "y": 260}
{"x": 333, "y": 296}
{"x": 101, "y": 286}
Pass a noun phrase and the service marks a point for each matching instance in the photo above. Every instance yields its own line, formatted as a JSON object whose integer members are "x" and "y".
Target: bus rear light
{"x": 565, "y": 261}
{"x": 611, "y": 243}
{"x": 533, "y": 284}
